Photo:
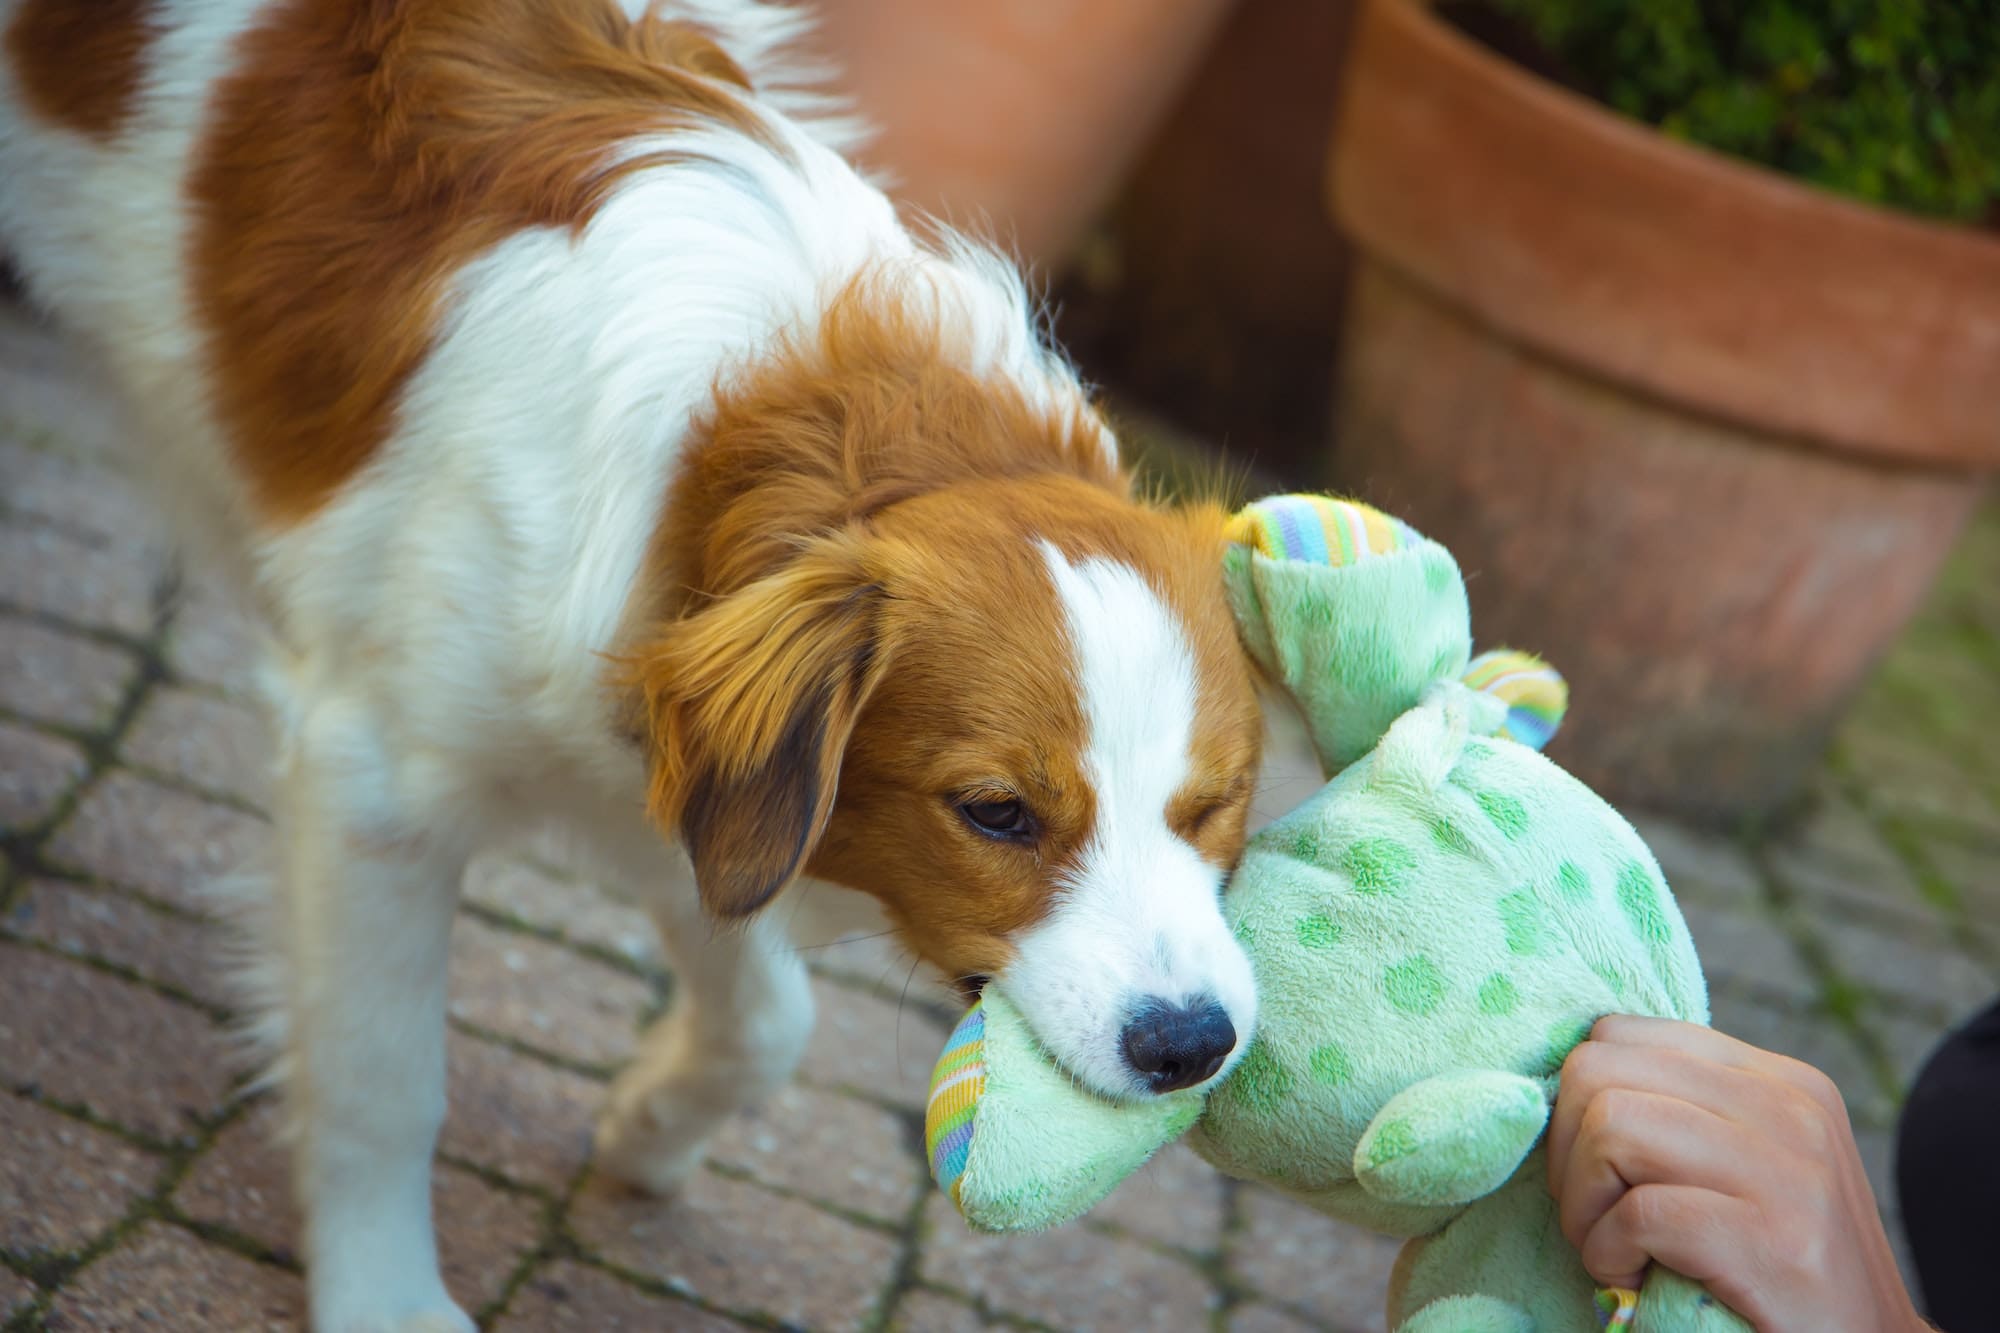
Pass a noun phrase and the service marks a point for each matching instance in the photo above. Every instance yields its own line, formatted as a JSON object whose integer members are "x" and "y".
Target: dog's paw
{"x": 646, "y": 1140}
{"x": 419, "y": 1314}
{"x": 448, "y": 1320}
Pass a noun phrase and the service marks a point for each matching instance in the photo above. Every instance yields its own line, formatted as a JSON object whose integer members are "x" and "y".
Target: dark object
{"x": 1175, "y": 1046}
{"x": 1699, "y": 434}
{"x": 1948, "y": 1175}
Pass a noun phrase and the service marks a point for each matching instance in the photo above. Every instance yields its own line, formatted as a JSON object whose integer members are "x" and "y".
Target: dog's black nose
{"x": 1175, "y": 1046}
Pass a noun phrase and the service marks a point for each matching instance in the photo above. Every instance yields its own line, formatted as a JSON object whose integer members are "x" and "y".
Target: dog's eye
{"x": 997, "y": 819}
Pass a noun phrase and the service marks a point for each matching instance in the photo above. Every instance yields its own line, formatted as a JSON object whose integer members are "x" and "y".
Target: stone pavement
{"x": 137, "y": 1186}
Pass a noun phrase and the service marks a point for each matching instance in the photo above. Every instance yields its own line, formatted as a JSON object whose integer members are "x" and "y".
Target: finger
{"x": 1693, "y": 1039}
{"x": 1628, "y": 1139}
{"x": 1595, "y": 1067}
{"x": 1694, "y": 1231}
{"x": 1671, "y": 1034}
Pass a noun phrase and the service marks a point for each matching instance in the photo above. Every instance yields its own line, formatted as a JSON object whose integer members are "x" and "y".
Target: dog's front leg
{"x": 370, "y": 874}
{"x": 741, "y": 1015}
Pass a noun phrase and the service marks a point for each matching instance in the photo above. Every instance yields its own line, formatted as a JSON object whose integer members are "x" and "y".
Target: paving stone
{"x": 214, "y": 642}
{"x": 483, "y": 1234}
{"x": 1334, "y": 1272}
{"x": 1973, "y": 869}
{"x": 1265, "y": 1319}
{"x": 1909, "y": 1043}
{"x": 1700, "y": 866}
{"x": 36, "y": 769}
{"x": 63, "y": 1183}
{"x": 89, "y": 501}
{"x": 527, "y": 1120}
{"x": 53, "y": 676}
{"x": 99, "y": 923}
{"x": 845, "y": 934}
{"x": 43, "y": 570}
{"x": 171, "y": 844}
{"x": 241, "y": 1182}
{"x": 1748, "y": 946}
{"x": 1175, "y": 1199}
{"x": 127, "y": 1053}
{"x": 543, "y": 994}
{"x": 16, "y": 1294}
{"x": 1817, "y": 1040}
{"x": 1835, "y": 863}
{"x": 1906, "y": 774}
{"x": 50, "y": 397}
{"x": 204, "y": 741}
{"x": 827, "y": 1147}
{"x": 934, "y": 1312}
{"x": 1929, "y": 971}
{"x": 872, "y": 1045}
{"x": 741, "y": 1248}
{"x": 1073, "y": 1277}
{"x": 167, "y": 1279}
{"x": 576, "y": 909}
{"x": 569, "y": 1298}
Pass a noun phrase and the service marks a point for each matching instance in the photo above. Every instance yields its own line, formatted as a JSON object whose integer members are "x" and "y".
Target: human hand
{"x": 1673, "y": 1143}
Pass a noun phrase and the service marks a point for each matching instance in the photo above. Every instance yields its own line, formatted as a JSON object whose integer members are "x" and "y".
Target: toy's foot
{"x": 1468, "y": 1314}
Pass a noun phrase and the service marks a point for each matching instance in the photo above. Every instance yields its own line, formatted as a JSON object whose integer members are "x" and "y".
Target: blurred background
{"x": 1677, "y": 321}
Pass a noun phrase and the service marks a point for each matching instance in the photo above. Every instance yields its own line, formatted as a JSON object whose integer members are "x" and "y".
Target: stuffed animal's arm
{"x": 1451, "y": 1139}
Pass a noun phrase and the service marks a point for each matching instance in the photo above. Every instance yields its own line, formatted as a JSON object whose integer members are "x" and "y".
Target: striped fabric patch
{"x": 1617, "y": 1307}
{"x": 1535, "y": 693}
{"x": 1318, "y": 529}
{"x": 956, "y": 1084}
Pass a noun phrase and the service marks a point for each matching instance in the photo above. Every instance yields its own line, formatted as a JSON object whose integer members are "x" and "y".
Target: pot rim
{"x": 1722, "y": 285}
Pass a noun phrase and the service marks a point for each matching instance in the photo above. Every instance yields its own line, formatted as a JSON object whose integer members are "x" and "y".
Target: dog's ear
{"x": 748, "y": 704}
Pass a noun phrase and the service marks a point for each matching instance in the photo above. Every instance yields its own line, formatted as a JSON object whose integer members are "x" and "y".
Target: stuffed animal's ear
{"x": 1351, "y": 612}
{"x": 748, "y": 705}
{"x": 1016, "y": 1143}
{"x": 1535, "y": 694}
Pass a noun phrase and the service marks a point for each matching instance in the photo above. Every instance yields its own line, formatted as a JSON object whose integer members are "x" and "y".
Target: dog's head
{"x": 992, "y": 690}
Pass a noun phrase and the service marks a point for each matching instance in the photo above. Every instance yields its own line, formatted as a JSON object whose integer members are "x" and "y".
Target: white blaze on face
{"x": 1140, "y": 917}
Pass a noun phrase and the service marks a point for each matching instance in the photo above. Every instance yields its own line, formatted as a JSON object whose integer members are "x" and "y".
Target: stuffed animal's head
{"x": 1451, "y": 903}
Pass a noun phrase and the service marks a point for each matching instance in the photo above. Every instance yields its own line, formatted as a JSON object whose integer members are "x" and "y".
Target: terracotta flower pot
{"x": 1700, "y": 434}
{"x": 1021, "y": 113}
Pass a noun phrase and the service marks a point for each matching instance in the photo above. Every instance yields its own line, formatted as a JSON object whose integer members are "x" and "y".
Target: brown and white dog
{"x": 602, "y": 449}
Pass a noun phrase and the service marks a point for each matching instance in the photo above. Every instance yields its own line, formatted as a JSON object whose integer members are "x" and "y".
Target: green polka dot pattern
{"x": 1521, "y": 918}
{"x": 1508, "y": 815}
{"x": 1393, "y": 1139}
{"x": 1415, "y": 986}
{"x": 1378, "y": 865}
{"x": 1642, "y": 904}
{"x": 1497, "y": 995}
{"x": 1575, "y": 885}
{"x": 1260, "y": 1083}
{"x": 1330, "y": 1065}
{"x": 1318, "y": 931}
{"x": 1450, "y": 838}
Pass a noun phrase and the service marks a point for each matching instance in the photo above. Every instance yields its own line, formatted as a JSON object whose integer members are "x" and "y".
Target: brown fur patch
{"x": 79, "y": 64}
{"x": 936, "y": 486}
{"x": 365, "y": 149}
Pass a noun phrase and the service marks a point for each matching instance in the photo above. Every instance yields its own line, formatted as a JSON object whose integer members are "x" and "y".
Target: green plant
{"x": 1894, "y": 101}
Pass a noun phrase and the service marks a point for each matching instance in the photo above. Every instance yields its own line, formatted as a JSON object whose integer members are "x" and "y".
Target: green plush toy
{"x": 1432, "y": 933}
